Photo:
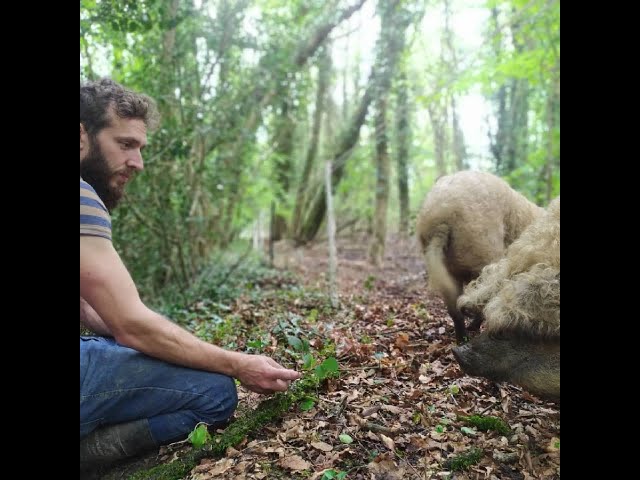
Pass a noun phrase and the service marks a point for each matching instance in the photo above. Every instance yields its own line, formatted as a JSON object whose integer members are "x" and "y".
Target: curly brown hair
{"x": 97, "y": 98}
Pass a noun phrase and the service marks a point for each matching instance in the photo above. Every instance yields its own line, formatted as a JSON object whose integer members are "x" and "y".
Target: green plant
{"x": 464, "y": 460}
{"x": 332, "y": 474}
{"x": 369, "y": 283}
{"x": 486, "y": 423}
{"x": 199, "y": 435}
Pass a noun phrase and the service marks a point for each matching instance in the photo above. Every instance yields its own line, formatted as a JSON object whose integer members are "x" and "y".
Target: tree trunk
{"x": 403, "y": 136}
{"x": 272, "y": 218}
{"x": 376, "y": 248}
{"x": 438, "y": 116}
{"x": 264, "y": 97}
{"x": 459, "y": 149}
{"x": 450, "y": 61}
{"x": 509, "y": 143}
{"x": 167, "y": 102}
{"x": 345, "y": 75}
{"x": 331, "y": 236}
{"x": 283, "y": 159}
{"x": 390, "y": 45}
{"x": 345, "y": 145}
{"x": 551, "y": 125}
{"x": 322, "y": 32}
{"x": 324, "y": 70}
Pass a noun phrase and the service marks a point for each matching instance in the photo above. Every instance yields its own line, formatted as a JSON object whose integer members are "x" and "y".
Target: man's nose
{"x": 135, "y": 161}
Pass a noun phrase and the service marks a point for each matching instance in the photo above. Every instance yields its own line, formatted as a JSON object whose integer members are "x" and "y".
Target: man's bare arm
{"x": 90, "y": 319}
{"x": 107, "y": 286}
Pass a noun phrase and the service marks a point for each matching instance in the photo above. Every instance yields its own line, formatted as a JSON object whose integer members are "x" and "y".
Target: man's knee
{"x": 225, "y": 394}
{"x": 230, "y": 397}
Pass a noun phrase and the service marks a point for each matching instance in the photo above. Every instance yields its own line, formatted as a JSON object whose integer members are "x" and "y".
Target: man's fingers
{"x": 290, "y": 375}
{"x": 280, "y": 385}
{"x": 284, "y": 374}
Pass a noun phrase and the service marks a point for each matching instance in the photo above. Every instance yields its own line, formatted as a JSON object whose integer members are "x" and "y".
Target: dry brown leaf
{"x": 232, "y": 452}
{"x": 204, "y": 466}
{"x": 402, "y": 340}
{"x": 355, "y": 420}
{"x": 325, "y": 447}
{"x": 294, "y": 462}
{"x": 553, "y": 446}
{"x": 241, "y": 467}
{"x": 386, "y": 470}
{"x": 388, "y": 442}
{"x": 214, "y": 470}
{"x": 392, "y": 409}
{"x": 279, "y": 450}
{"x": 372, "y": 436}
{"x": 371, "y": 410}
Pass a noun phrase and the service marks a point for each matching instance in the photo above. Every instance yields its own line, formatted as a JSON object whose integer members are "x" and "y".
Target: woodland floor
{"x": 399, "y": 393}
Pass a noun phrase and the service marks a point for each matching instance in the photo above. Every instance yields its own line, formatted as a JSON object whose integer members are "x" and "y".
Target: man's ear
{"x": 84, "y": 141}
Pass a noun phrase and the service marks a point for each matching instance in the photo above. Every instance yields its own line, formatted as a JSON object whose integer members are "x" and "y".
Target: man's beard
{"x": 96, "y": 172}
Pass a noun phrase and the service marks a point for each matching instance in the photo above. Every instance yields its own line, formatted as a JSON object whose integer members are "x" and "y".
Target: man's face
{"x": 109, "y": 160}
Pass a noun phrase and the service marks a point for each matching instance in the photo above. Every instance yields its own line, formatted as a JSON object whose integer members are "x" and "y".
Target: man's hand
{"x": 262, "y": 374}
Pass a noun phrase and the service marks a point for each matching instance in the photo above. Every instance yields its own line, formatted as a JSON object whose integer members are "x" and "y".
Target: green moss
{"x": 464, "y": 460}
{"x": 486, "y": 423}
{"x": 172, "y": 471}
{"x": 252, "y": 421}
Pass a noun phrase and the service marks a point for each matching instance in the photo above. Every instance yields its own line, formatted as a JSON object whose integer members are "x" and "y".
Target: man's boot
{"x": 109, "y": 444}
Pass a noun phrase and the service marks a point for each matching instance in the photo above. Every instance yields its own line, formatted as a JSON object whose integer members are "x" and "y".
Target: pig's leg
{"x": 456, "y": 316}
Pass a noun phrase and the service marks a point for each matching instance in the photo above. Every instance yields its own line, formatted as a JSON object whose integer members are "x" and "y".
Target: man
{"x": 147, "y": 382}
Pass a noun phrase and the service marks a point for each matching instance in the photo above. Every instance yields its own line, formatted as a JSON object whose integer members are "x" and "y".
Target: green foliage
{"x": 199, "y": 436}
{"x": 332, "y": 474}
{"x": 307, "y": 404}
{"x": 309, "y": 361}
{"x": 464, "y": 460}
{"x": 313, "y": 315}
{"x": 220, "y": 282}
{"x": 221, "y": 72}
{"x": 251, "y": 421}
{"x": 328, "y": 368}
{"x": 369, "y": 283}
{"x": 487, "y": 423}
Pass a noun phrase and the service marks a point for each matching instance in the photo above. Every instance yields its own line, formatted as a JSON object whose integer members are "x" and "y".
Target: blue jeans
{"x": 119, "y": 384}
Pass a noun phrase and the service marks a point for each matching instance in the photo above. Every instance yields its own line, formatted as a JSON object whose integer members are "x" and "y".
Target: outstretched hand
{"x": 262, "y": 374}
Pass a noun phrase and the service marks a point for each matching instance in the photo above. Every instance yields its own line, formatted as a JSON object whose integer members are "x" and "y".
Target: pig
{"x": 520, "y": 299}
{"x": 466, "y": 222}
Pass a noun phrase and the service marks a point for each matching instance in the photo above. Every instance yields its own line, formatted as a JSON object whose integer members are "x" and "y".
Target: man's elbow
{"x": 132, "y": 328}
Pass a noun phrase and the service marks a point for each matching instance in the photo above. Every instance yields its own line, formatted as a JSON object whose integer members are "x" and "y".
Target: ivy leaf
{"x": 294, "y": 342}
{"x": 199, "y": 436}
{"x": 307, "y": 404}
{"x": 309, "y": 361}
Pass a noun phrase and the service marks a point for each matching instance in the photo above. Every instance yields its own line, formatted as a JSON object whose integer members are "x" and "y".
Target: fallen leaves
{"x": 295, "y": 463}
{"x": 322, "y": 446}
{"x": 398, "y": 396}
